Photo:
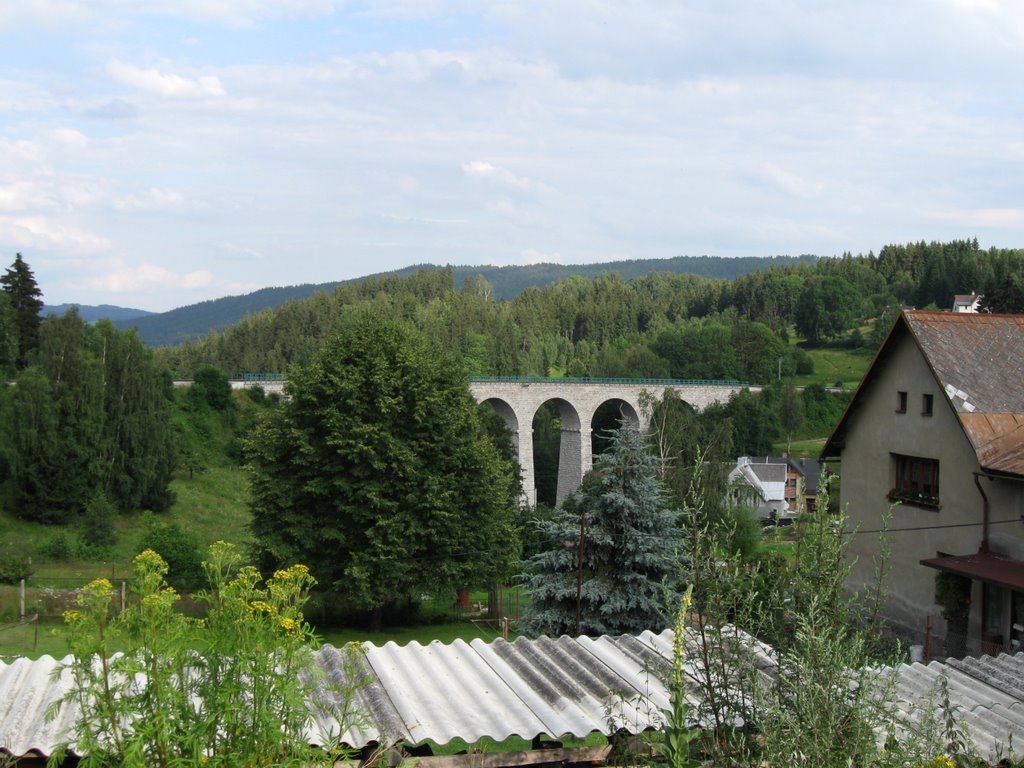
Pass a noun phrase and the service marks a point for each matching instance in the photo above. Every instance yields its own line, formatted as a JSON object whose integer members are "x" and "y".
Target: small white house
{"x": 760, "y": 484}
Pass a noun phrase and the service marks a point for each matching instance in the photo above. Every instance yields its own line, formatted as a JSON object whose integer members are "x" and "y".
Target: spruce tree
{"x": 20, "y": 285}
{"x": 628, "y": 579}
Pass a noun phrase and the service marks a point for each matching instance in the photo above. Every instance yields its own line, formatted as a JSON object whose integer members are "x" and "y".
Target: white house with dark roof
{"x": 937, "y": 428}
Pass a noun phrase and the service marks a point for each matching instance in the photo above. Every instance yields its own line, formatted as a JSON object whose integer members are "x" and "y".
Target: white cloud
{"x": 153, "y": 199}
{"x": 25, "y": 196}
{"x": 42, "y": 232}
{"x": 68, "y": 137}
{"x": 124, "y": 278}
{"x": 156, "y": 82}
{"x": 533, "y": 256}
{"x": 42, "y": 12}
{"x": 481, "y": 169}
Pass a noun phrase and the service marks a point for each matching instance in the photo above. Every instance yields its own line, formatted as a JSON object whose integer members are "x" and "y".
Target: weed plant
{"x": 231, "y": 689}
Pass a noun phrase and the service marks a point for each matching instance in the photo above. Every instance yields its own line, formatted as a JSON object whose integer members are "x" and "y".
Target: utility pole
{"x": 579, "y": 568}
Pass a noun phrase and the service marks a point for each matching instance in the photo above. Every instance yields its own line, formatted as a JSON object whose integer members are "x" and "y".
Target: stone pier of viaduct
{"x": 517, "y": 401}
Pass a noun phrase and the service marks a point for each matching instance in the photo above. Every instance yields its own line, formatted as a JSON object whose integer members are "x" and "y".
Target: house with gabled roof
{"x": 778, "y": 487}
{"x": 935, "y": 433}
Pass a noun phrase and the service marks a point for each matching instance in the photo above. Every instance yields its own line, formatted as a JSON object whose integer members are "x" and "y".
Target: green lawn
{"x": 836, "y": 366}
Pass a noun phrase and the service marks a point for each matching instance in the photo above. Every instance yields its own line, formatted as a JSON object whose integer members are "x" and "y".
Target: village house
{"x": 937, "y": 429}
{"x": 778, "y": 487}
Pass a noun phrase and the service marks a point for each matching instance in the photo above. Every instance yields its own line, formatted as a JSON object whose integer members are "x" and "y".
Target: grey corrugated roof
{"x": 985, "y": 693}
{"x": 554, "y": 686}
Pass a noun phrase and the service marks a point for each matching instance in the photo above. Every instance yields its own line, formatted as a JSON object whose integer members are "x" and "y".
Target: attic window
{"x": 901, "y": 402}
{"x": 926, "y": 405}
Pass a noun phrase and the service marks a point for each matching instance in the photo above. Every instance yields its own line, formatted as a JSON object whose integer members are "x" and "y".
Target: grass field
{"x": 836, "y": 366}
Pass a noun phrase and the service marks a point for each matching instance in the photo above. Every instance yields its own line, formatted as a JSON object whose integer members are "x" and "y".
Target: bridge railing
{"x": 258, "y": 377}
{"x": 581, "y": 380}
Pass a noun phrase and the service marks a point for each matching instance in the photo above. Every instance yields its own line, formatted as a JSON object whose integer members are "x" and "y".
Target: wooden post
{"x": 21, "y": 612}
{"x": 122, "y": 595}
{"x": 928, "y": 640}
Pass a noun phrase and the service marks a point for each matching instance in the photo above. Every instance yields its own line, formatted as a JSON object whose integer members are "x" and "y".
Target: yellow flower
{"x": 151, "y": 561}
{"x": 288, "y": 624}
{"x": 72, "y": 617}
{"x": 98, "y": 588}
{"x": 259, "y": 606}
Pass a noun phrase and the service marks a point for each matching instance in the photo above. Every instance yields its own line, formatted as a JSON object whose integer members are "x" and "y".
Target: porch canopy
{"x": 983, "y": 566}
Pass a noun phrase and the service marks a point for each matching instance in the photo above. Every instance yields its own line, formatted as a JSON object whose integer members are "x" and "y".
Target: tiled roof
{"x": 977, "y": 360}
{"x": 554, "y": 686}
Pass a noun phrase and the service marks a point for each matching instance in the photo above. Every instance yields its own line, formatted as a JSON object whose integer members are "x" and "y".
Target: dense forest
{"x": 93, "y": 419}
{"x": 657, "y": 325}
{"x": 195, "y": 321}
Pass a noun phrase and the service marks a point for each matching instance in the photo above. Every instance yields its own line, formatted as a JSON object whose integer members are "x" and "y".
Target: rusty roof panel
{"x": 978, "y": 358}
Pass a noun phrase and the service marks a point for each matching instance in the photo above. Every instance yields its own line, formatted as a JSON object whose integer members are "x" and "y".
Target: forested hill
{"x": 197, "y": 320}
{"x": 656, "y": 325}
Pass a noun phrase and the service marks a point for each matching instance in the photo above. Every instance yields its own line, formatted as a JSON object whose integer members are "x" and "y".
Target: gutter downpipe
{"x": 983, "y": 549}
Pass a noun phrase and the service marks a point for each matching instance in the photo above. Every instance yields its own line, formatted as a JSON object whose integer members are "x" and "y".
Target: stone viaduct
{"x": 518, "y": 399}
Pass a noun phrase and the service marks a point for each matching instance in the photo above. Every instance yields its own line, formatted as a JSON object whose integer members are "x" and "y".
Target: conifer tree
{"x": 20, "y": 285}
{"x": 629, "y": 539}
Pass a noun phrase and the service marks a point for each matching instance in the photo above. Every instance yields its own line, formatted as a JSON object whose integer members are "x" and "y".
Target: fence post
{"x": 122, "y": 596}
{"x": 928, "y": 640}
{"x": 21, "y": 613}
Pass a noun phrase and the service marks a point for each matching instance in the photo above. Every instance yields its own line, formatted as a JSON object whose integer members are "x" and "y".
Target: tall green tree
{"x": 622, "y": 529}
{"x": 828, "y": 306}
{"x": 377, "y": 474}
{"x": 20, "y": 286}
{"x": 89, "y": 415}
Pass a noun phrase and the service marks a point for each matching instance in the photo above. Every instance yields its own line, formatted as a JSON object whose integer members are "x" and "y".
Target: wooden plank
{"x": 512, "y": 759}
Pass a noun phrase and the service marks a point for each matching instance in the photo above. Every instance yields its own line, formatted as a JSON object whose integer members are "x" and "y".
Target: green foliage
{"x": 213, "y": 386}
{"x": 90, "y": 414}
{"x": 14, "y": 567}
{"x": 25, "y": 301}
{"x": 677, "y": 735}
{"x": 621, "y": 527}
{"x": 228, "y": 690}
{"x": 828, "y": 306}
{"x": 98, "y": 521}
{"x": 181, "y": 553}
{"x": 377, "y": 472}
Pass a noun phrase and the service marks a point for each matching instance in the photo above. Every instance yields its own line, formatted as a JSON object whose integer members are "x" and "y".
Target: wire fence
{"x": 937, "y": 640}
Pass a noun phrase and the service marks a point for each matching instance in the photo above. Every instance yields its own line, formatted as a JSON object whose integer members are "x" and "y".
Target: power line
{"x": 930, "y": 527}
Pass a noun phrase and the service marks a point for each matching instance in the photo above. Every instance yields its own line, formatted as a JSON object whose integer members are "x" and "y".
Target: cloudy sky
{"x": 156, "y": 153}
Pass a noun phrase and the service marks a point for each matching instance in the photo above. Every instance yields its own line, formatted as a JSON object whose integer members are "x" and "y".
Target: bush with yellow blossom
{"x": 156, "y": 688}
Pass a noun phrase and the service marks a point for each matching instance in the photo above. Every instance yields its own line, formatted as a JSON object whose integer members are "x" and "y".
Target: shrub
{"x": 57, "y": 547}
{"x": 231, "y": 689}
{"x": 180, "y": 550}
{"x": 98, "y": 521}
{"x": 14, "y": 568}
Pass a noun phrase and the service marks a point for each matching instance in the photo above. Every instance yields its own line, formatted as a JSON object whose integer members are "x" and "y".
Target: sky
{"x": 158, "y": 153}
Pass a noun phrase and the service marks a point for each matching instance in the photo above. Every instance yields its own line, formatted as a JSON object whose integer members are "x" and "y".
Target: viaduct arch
{"x": 517, "y": 400}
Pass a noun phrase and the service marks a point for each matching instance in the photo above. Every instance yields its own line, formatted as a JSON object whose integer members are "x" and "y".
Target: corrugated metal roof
{"x": 553, "y": 686}
{"x": 988, "y": 704}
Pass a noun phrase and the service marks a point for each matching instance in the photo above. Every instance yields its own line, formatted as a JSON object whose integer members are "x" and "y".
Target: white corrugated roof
{"x": 553, "y": 686}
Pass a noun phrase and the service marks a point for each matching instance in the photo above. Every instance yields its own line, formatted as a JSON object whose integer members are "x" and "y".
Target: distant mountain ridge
{"x": 197, "y": 320}
{"x": 91, "y": 314}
